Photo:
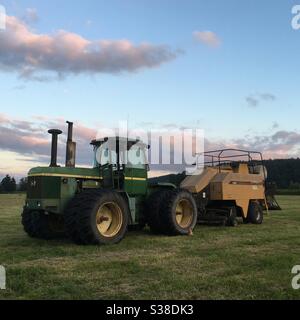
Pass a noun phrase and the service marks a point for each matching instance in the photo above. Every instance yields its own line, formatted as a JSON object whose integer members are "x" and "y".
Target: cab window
{"x": 136, "y": 157}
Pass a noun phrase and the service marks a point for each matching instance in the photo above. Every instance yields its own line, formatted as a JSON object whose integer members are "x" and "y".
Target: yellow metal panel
{"x": 135, "y": 179}
{"x": 196, "y": 183}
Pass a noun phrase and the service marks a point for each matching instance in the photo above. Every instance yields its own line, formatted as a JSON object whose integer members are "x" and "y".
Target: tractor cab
{"x": 122, "y": 163}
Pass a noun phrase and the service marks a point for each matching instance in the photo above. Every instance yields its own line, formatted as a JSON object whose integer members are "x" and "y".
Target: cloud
{"x": 267, "y": 97}
{"x": 275, "y": 125}
{"x": 208, "y": 38}
{"x": 30, "y": 16}
{"x": 29, "y": 141}
{"x": 42, "y": 57}
{"x": 281, "y": 144}
{"x": 254, "y": 100}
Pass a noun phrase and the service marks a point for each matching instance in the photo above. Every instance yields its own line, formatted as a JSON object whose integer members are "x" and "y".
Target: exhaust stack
{"x": 54, "y": 133}
{"x": 71, "y": 147}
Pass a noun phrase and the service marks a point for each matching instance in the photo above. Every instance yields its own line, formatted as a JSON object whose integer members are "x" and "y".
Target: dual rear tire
{"x": 172, "y": 212}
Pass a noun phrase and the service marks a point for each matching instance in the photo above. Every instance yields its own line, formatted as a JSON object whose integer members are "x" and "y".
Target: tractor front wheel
{"x": 27, "y": 221}
{"x": 99, "y": 217}
{"x": 39, "y": 225}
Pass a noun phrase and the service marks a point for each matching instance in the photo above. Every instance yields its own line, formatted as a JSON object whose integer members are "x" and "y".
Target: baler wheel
{"x": 232, "y": 217}
{"x": 255, "y": 213}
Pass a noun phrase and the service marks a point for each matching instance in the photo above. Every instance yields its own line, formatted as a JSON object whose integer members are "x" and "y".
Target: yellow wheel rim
{"x": 184, "y": 213}
{"x": 109, "y": 219}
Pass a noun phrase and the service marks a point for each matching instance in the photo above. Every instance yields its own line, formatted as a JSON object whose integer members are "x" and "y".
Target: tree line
{"x": 285, "y": 173}
{"x": 9, "y": 184}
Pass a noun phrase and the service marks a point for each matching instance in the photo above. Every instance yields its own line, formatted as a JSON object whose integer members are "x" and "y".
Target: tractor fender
{"x": 131, "y": 206}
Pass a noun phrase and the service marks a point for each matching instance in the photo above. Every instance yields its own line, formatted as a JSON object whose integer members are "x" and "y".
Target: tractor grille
{"x": 43, "y": 187}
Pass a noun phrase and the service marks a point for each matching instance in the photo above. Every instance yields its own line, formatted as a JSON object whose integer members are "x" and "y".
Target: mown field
{"x": 247, "y": 262}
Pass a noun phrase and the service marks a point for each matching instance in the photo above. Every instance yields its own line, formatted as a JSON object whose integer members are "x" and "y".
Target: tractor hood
{"x": 65, "y": 172}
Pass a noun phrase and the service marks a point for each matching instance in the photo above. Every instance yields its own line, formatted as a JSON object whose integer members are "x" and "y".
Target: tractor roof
{"x": 121, "y": 140}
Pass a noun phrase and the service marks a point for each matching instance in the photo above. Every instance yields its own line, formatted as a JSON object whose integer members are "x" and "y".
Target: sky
{"x": 228, "y": 67}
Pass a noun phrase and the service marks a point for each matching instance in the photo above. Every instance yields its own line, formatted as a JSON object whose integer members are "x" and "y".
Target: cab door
{"x": 136, "y": 171}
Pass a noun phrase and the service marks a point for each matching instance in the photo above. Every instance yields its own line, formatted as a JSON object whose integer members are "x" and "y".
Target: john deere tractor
{"x": 98, "y": 205}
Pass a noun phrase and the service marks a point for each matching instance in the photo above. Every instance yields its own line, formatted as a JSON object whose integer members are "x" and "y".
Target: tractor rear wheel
{"x": 39, "y": 225}
{"x": 178, "y": 213}
{"x": 153, "y": 207}
{"x": 97, "y": 217}
{"x": 255, "y": 213}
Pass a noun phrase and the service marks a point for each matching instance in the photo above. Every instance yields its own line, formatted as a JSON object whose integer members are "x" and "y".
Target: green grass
{"x": 247, "y": 262}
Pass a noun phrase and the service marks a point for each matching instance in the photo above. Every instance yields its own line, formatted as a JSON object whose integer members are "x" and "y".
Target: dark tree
{"x": 285, "y": 172}
{"x": 8, "y": 184}
{"x": 23, "y": 184}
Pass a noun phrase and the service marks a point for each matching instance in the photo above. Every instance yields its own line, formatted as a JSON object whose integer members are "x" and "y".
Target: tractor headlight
{"x": 39, "y": 204}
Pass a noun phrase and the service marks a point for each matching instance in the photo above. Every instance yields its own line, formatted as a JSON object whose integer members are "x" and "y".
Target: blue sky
{"x": 205, "y": 86}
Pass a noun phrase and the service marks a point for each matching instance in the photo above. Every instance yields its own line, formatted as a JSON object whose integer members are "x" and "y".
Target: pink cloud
{"x": 35, "y": 56}
{"x": 30, "y": 138}
{"x": 208, "y": 38}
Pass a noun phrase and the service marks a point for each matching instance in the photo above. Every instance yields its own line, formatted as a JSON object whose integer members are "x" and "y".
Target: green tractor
{"x": 98, "y": 205}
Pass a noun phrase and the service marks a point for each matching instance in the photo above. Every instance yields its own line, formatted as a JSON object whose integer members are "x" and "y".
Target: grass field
{"x": 247, "y": 262}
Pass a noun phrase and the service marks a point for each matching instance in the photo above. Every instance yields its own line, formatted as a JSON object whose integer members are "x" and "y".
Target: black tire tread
{"x": 27, "y": 224}
{"x": 153, "y": 205}
{"x": 78, "y": 214}
{"x": 254, "y": 206}
{"x": 37, "y": 225}
{"x": 169, "y": 227}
